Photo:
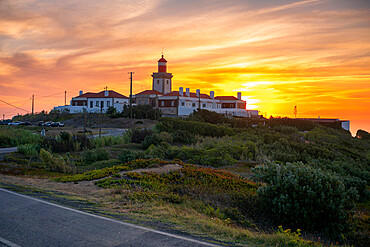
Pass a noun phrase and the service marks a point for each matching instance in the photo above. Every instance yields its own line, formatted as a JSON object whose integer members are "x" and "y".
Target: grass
{"x": 194, "y": 199}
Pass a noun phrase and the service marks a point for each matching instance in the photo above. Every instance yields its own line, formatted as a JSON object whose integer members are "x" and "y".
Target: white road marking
{"x": 8, "y": 243}
{"x": 112, "y": 220}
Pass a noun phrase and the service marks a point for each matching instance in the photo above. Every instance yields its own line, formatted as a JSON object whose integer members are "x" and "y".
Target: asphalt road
{"x": 8, "y": 150}
{"x": 28, "y": 221}
{"x": 4, "y": 151}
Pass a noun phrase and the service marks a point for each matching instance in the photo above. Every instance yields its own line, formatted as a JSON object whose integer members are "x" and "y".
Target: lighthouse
{"x": 162, "y": 81}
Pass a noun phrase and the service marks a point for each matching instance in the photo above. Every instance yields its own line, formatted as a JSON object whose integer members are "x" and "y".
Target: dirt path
{"x": 86, "y": 189}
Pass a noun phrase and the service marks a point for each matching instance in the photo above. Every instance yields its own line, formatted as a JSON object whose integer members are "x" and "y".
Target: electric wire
{"x": 13, "y": 106}
{"x": 24, "y": 102}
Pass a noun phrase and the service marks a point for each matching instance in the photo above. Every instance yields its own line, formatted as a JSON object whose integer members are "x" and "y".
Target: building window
{"x": 102, "y": 104}
{"x": 204, "y": 105}
{"x": 182, "y": 104}
{"x": 167, "y": 82}
{"x": 193, "y": 104}
{"x": 97, "y": 104}
{"x": 91, "y": 104}
{"x": 157, "y": 81}
{"x": 108, "y": 104}
{"x": 162, "y": 103}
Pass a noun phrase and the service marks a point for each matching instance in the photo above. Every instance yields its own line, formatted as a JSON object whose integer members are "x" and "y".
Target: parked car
{"x": 41, "y": 123}
{"x": 25, "y": 123}
{"x": 15, "y": 123}
{"x": 48, "y": 124}
{"x": 57, "y": 124}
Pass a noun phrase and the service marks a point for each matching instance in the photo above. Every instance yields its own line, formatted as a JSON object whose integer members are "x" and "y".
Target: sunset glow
{"x": 313, "y": 54}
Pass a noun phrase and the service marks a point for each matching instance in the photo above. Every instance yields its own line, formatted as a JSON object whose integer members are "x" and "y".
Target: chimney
{"x": 198, "y": 93}
{"x": 81, "y": 92}
{"x": 239, "y": 96}
{"x": 181, "y": 91}
{"x": 212, "y": 94}
{"x": 106, "y": 93}
{"x": 188, "y": 92}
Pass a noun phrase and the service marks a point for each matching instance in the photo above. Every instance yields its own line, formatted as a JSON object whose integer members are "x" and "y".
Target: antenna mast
{"x": 295, "y": 111}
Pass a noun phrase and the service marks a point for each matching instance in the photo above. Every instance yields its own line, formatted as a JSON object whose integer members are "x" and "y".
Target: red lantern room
{"x": 162, "y": 65}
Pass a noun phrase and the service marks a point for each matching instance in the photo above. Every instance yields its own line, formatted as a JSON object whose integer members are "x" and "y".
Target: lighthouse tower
{"x": 162, "y": 81}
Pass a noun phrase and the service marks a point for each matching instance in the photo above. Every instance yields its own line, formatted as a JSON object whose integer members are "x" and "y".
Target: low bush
{"x": 299, "y": 196}
{"x": 127, "y": 155}
{"x": 197, "y": 128}
{"x": 65, "y": 142}
{"x": 29, "y": 149}
{"x": 91, "y": 155}
{"x": 55, "y": 162}
{"x": 156, "y": 139}
{"x": 105, "y": 163}
{"x": 12, "y": 137}
{"x": 138, "y": 135}
{"x": 183, "y": 136}
{"x": 108, "y": 141}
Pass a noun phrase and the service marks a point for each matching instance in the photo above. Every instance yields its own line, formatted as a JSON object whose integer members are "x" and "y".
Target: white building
{"x": 95, "y": 102}
{"x": 182, "y": 104}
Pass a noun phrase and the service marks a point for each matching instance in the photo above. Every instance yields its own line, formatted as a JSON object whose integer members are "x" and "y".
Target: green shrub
{"x": 299, "y": 196}
{"x": 105, "y": 163}
{"x": 197, "y": 128}
{"x": 12, "y": 137}
{"x": 55, "y": 163}
{"x": 65, "y": 142}
{"x": 128, "y": 155}
{"x": 156, "y": 139}
{"x": 108, "y": 141}
{"x": 138, "y": 135}
{"x": 91, "y": 155}
{"x": 183, "y": 136}
{"x": 159, "y": 151}
{"x": 29, "y": 149}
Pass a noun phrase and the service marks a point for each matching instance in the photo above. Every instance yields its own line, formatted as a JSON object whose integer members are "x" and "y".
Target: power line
{"x": 49, "y": 95}
{"x": 14, "y": 106}
{"x": 24, "y": 102}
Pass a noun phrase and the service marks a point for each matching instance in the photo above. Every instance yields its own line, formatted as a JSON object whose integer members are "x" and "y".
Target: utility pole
{"x": 65, "y": 97}
{"x": 295, "y": 111}
{"x": 3, "y": 117}
{"x": 199, "y": 106}
{"x": 199, "y": 101}
{"x": 33, "y": 102}
{"x": 131, "y": 93}
{"x": 101, "y": 111}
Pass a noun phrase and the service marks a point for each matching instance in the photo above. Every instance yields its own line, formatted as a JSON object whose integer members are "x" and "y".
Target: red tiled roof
{"x": 226, "y": 98}
{"x": 192, "y": 95}
{"x": 149, "y": 92}
{"x": 111, "y": 94}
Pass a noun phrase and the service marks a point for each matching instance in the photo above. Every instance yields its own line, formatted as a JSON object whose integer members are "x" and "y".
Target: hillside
{"x": 214, "y": 177}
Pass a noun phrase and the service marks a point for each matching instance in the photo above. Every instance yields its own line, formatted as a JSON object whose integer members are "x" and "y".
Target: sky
{"x": 313, "y": 54}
